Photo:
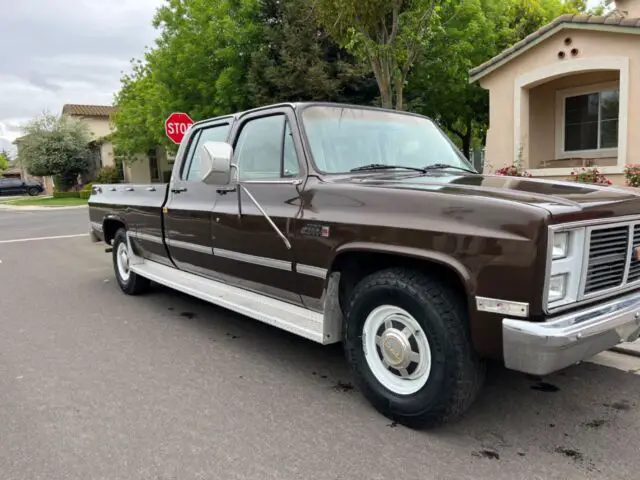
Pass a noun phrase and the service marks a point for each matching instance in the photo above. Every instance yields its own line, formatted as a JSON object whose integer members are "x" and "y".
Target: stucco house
{"x": 98, "y": 120}
{"x": 150, "y": 167}
{"x": 567, "y": 96}
{"x": 153, "y": 166}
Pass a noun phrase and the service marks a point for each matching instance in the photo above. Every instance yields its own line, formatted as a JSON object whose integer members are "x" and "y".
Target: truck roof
{"x": 300, "y": 105}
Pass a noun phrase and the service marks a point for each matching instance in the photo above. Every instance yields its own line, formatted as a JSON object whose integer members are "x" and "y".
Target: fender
{"x": 436, "y": 257}
{"x": 112, "y": 217}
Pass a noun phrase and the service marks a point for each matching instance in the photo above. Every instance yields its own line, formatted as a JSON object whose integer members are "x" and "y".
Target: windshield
{"x": 344, "y": 138}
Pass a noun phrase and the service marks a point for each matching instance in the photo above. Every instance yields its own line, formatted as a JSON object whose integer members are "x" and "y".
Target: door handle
{"x": 129, "y": 189}
{"x": 150, "y": 189}
{"x": 179, "y": 189}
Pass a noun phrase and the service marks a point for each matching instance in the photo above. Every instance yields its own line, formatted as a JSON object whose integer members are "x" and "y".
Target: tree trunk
{"x": 384, "y": 82}
{"x": 399, "y": 93}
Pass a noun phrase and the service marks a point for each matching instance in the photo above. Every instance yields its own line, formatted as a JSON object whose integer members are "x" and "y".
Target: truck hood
{"x": 565, "y": 201}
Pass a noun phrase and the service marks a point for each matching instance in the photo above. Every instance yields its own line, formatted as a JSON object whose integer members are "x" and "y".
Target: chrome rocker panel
{"x": 543, "y": 348}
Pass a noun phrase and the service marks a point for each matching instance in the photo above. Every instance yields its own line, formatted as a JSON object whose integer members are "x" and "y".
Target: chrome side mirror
{"x": 216, "y": 163}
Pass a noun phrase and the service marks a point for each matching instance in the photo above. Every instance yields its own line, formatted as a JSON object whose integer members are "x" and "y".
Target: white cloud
{"x": 67, "y": 51}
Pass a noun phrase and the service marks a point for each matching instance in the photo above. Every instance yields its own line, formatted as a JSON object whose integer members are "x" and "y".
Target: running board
{"x": 297, "y": 320}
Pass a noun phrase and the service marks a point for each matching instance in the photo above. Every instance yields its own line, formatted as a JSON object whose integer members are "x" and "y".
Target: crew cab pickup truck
{"x": 368, "y": 227}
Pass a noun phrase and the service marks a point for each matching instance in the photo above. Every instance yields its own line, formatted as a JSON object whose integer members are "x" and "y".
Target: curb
{"x": 631, "y": 349}
{"x": 38, "y": 209}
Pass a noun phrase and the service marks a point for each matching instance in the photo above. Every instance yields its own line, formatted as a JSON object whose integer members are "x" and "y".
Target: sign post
{"x": 176, "y": 126}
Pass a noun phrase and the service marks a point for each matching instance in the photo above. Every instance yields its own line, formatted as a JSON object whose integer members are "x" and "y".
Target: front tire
{"x": 130, "y": 282}
{"x": 407, "y": 341}
{"x": 33, "y": 192}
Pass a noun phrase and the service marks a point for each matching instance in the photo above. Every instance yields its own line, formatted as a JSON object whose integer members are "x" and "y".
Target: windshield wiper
{"x": 442, "y": 166}
{"x": 381, "y": 166}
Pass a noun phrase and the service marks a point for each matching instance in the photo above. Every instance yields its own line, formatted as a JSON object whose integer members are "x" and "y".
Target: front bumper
{"x": 543, "y": 348}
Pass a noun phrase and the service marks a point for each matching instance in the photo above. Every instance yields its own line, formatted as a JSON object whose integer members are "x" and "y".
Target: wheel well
{"x": 110, "y": 227}
{"x": 354, "y": 266}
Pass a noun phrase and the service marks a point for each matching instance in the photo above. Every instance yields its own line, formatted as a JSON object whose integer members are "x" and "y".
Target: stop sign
{"x": 176, "y": 126}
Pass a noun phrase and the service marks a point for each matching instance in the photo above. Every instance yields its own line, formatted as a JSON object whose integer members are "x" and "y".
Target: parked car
{"x": 16, "y": 186}
{"x": 367, "y": 226}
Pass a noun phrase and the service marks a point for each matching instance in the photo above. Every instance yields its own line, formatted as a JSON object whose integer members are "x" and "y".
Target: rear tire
{"x": 130, "y": 282}
{"x": 407, "y": 340}
{"x": 33, "y": 192}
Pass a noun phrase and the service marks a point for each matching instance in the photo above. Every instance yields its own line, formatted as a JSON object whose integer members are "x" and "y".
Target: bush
{"x": 513, "y": 170}
{"x": 589, "y": 175}
{"x": 85, "y": 194}
{"x": 66, "y": 194}
{"x": 107, "y": 175}
{"x": 632, "y": 175}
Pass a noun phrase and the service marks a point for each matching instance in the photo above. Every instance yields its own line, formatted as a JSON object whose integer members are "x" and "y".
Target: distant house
{"x": 567, "y": 96}
{"x": 150, "y": 167}
{"x": 98, "y": 120}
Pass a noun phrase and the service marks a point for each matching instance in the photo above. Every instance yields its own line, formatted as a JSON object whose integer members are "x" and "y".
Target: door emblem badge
{"x": 636, "y": 253}
{"x": 315, "y": 230}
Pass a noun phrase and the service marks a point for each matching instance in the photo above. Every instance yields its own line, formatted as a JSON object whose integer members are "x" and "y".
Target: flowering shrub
{"x": 632, "y": 174}
{"x": 589, "y": 175}
{"x": 513, "y": 170}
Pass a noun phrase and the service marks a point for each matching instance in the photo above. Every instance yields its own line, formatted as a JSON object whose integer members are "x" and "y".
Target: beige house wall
{"x": 106, "y": 155}
{"x": 542, "y": 114}
{"x": 508, "y": 100}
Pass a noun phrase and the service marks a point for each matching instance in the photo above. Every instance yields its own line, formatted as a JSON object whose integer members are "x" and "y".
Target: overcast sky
{"x": 67, "y": 51}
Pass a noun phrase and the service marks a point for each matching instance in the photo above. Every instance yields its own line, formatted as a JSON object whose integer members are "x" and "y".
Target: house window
{"x": 591, "y": 121}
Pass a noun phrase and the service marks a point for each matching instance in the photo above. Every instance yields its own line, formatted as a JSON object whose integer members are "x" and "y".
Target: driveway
{"x": 95, "y": 385}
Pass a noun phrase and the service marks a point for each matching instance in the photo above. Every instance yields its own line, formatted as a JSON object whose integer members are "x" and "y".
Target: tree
{"x": 199, "y": 64}
{"x": 476, "y": 31}
{"x": 56, "y": 146}
{"x": 389, "y": 35}
{"x": 296, "y": 60}
{"x": 4, "y": 160}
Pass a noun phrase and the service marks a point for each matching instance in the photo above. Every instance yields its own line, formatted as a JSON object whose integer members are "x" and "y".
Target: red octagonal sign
{"x": 176, "y": 126}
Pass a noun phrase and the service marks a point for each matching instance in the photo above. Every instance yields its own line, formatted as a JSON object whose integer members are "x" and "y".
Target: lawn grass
{"x": 46, "y": 202}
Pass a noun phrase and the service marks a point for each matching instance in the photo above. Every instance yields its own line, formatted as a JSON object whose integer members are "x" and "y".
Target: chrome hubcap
{"x": 122, "y": 257}
{"x": 396, "y": 349}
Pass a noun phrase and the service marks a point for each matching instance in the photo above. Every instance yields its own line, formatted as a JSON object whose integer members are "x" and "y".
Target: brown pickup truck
{"x": 366, "y": 226}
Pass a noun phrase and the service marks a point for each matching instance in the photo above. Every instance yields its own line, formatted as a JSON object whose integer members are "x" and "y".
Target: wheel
{"x": 407, "y": 341}
{"x": 33, "y": 191}
{"x": 130, "y": 282}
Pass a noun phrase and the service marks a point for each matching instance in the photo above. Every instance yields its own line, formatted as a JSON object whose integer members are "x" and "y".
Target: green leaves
{"x": 57, "y": 146}
{"x": 4, "y": 161}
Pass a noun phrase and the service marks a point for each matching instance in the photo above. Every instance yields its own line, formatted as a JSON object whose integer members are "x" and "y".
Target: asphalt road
{"x": 98, "y": 385}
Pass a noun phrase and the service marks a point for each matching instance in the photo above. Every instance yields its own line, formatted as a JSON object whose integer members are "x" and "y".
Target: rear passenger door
{"x": 190, "y": 203}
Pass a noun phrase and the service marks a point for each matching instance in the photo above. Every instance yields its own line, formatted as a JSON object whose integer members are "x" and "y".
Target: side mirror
{"x": 216, "y": 163}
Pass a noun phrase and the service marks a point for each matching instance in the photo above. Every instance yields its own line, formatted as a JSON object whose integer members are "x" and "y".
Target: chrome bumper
{"x": 543, "y": 348}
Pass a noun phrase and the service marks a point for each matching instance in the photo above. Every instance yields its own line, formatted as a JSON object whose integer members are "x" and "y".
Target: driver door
{"x": 248, "y": 251}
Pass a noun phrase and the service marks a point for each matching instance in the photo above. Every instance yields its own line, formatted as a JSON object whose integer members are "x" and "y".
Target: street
{"x": 95, "y": 384}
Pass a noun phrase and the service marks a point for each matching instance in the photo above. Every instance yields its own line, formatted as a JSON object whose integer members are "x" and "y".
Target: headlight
{"x": 560, "y": 245}
{"x": 565, "y": 250}
{"x": 557, "y": 287}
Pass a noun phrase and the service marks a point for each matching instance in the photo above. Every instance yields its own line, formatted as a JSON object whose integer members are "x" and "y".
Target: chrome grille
{"x": 609, "y": 255}
{"x": 634, "y": 265}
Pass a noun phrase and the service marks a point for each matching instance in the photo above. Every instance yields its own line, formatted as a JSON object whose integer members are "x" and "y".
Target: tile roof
{"x": 613, "y": 20}
{"x": 88, "y": 110}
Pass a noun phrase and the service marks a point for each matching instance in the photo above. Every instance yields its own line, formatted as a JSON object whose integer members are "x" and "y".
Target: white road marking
{"x": 19, "y": 240}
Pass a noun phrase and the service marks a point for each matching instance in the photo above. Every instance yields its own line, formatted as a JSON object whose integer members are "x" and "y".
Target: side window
{"x": 291, "y": 167}
{"x": 262, "y": 147}
{"x": 192, "y": 171}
